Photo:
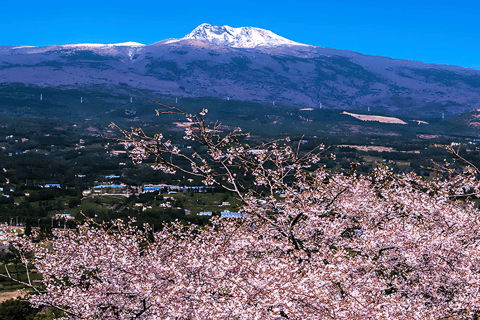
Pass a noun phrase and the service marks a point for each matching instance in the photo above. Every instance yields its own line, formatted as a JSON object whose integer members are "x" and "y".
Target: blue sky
{"x": 441, "y": 32}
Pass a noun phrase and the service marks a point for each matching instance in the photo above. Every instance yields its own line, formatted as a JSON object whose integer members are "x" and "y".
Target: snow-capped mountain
{"x": 212, "y": 61}
{"x": 244, "y": 37}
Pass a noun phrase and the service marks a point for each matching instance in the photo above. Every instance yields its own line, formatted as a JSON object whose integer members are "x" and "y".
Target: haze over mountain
{"x": 247, "y": 64}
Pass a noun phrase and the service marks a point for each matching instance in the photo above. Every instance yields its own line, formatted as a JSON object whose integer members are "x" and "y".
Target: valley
{"x": 50, "y": 146}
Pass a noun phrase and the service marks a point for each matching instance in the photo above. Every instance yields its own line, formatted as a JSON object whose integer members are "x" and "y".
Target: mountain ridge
{"x": 242, "y": 37}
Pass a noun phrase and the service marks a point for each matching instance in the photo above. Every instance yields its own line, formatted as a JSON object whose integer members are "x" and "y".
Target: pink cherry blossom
{"x": 337, "y": 246}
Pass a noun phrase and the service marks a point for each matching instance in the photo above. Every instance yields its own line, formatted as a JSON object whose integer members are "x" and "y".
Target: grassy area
{"x": 198, "y": 202}
{"x": 372, "y": 159}
{"x": 17, "y": 271}
{"x": 195, "y": 202}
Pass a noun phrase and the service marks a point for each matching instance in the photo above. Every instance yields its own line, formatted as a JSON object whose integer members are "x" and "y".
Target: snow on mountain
{"x": 126, "y": 44}
{"x": 20, "y": 47}
{"x": 78, "y": 45}
{"x": 99, "y": 45}
{"x": 244, "y": 37}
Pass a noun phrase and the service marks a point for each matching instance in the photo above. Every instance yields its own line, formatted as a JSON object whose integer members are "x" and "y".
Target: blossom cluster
{"x": 335, "y": 246}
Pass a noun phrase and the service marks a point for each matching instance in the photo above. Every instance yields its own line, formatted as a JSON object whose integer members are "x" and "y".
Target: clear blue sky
{"x": 442, "y": 32}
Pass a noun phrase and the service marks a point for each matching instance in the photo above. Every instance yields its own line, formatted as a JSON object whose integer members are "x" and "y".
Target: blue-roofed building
{"x": 63, "y": 216}
{"x": 112, "y": 176}
{"x": 104, "y": 186}
{"x": 154, "y": 187}
{"x": 196, "y": 188}
{"x": 228, "y": 214}
{"x": 52, "y": 185}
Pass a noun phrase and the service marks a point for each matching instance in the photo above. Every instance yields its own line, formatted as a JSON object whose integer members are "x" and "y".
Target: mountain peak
{"x": 243, "y": 37}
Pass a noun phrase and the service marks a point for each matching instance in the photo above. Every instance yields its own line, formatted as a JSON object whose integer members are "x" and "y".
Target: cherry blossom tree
{"x": 335, "y": 246}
